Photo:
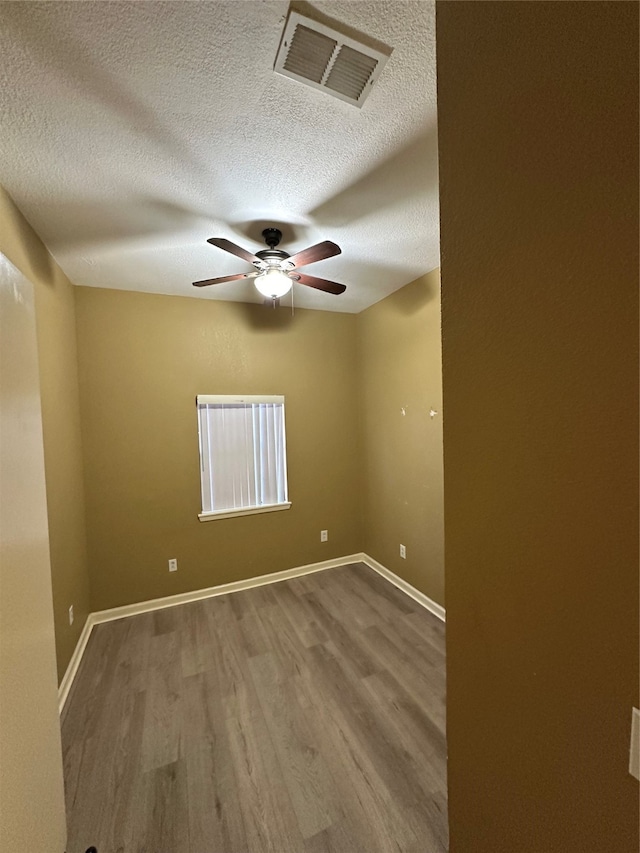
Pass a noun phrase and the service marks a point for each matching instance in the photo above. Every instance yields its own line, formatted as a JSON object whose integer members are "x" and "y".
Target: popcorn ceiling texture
{"x": 132, "y": 132}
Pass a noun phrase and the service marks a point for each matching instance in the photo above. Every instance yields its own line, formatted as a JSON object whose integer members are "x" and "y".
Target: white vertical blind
{"x": 242, "y": 452}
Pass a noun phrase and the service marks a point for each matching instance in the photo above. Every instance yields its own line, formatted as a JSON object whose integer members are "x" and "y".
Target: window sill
{"x": 250, "y": 510}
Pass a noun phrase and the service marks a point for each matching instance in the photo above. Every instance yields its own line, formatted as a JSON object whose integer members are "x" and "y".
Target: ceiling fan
{"x": 276, "y": 270}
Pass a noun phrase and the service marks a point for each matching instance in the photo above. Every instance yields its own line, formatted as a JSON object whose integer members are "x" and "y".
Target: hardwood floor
{"x": 302, "y": 717}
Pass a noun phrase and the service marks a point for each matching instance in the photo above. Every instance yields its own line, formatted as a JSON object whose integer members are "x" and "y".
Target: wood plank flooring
{"x": 302, "y": 717}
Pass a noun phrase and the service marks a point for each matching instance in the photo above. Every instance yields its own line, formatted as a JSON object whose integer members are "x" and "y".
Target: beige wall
{"x": 143, "y": 359}
{"x": 400, "y": 369}
{"x": 55, "y": 316}
{"x": 32, "y": 813}
{"x": 538, "y": 140}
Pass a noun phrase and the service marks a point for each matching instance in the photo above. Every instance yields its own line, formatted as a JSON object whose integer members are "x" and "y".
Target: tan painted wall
{"x": 400, "y": 368}
{"x": 32, "y": 813}
{"x": 143, "y": 359}
{"x": 538, "y": 140}
{"x": 55, "y": 316}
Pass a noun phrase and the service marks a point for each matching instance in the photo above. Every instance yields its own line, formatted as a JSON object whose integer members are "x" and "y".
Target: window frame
{"x": 235, "y": 400}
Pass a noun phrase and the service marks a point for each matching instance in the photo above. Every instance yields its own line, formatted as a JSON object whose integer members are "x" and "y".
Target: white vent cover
{"x": 325, "y": 59}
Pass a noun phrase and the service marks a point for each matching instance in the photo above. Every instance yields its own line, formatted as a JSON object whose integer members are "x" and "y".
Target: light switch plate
{"x": 634, "y": 754}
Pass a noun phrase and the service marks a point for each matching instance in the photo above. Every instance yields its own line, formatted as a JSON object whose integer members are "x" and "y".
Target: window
{"x": 243, "y": 462}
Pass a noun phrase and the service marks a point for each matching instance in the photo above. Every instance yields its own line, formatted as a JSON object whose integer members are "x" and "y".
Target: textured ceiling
{"x": 133, "y": 131}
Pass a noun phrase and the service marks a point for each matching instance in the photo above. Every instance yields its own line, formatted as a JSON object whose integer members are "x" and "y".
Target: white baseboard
{"x": 222, "y": 589}
{"x": 428, "y": 603}
{"x": 74, "y": 663}
{"x": 101, "y": 616}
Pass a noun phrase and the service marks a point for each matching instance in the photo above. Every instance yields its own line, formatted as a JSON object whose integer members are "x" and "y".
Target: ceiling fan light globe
{"x": 273, "y": 284}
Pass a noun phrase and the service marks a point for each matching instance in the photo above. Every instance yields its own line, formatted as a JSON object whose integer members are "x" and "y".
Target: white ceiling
{"x": 133, "y": 131}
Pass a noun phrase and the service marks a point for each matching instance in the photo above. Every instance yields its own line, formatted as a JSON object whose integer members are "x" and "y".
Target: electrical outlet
{"x": 173, "y": 565}
{"x": 324, "y": 535}
{"x": 634, "y": 753}
{"x": 403, "y": 552}
{"x": 71, "y": 615}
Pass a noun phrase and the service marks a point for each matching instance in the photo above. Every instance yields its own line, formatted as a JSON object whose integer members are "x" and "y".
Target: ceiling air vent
{"x": 326, "y": 59}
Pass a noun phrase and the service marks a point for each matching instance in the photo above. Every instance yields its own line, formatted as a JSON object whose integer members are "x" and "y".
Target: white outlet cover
{"x": 173, "y": 565}
{"x": 634, "y": 754}
{"x": 403, "y": 552}
{"x": 71, "y": 615}
{"x": 324, "y": 535}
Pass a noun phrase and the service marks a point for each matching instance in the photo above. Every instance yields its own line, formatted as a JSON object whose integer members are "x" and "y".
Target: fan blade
{"x": 320, "y": 283}
{"x": 314, "y": 253}
{"x": 228, "y": 246}
{"x": 224, "y": 278}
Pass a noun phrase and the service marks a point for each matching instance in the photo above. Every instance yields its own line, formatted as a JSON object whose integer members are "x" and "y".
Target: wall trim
{"x": 428, "y": 603}
{"x": 113, "y": 613}
{"x": 222, "y": 589}
{"x": 72, "y": 669}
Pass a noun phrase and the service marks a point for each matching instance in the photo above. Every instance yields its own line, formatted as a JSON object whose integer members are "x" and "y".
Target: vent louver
{"x": 350, "y": 72}
{"x": 326, "y": 59}
{"x": 309, "y": 54}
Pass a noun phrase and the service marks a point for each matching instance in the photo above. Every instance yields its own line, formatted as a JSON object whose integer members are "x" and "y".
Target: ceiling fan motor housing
{"x": 272, "y": 237}
{"x": 272, "y": 258}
